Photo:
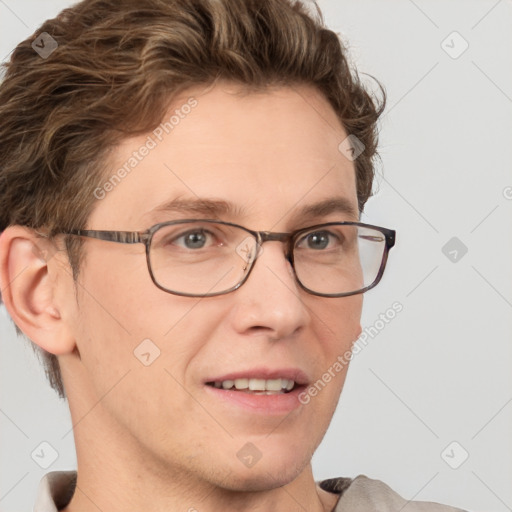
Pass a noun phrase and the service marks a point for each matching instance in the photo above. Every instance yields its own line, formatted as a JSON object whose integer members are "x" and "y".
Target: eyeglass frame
{"x": 145, "y": 237}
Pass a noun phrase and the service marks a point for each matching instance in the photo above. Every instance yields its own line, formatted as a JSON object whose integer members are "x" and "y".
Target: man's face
{"x": 270, "y": 155}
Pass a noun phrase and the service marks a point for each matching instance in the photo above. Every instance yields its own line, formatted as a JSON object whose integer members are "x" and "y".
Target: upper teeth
{"x": 257, "y": 384}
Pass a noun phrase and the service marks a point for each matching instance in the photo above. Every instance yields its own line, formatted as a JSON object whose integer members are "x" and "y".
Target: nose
{"x": 270, "y": 302}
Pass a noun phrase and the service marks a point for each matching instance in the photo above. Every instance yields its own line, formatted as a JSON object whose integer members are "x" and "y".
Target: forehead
{"x": 268, "y": 153}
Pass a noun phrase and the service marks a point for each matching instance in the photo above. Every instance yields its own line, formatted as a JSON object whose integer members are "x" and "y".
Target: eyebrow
{"x": 328, "y": 206}
{"x": 217, "y": 208}
{"x": 200, "y": 206}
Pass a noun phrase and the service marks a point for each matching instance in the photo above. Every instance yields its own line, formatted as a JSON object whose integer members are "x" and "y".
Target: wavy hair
{"x": 117, "y": 66}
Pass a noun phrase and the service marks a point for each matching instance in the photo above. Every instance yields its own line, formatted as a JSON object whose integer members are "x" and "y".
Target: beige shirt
{"x": 360, "y": 494}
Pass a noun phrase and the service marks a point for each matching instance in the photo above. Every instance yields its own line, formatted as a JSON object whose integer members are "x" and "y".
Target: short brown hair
{"x": 119, "y": 64}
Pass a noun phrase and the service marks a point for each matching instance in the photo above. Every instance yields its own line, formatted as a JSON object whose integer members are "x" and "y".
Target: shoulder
{"x": 363, "y": 494}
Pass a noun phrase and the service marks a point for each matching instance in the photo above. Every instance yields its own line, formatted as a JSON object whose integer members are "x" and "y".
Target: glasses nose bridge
{"x": 273, "y": 236}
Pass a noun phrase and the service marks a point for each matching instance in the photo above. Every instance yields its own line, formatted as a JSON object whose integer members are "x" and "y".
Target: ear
{"x": 28, "y": 277}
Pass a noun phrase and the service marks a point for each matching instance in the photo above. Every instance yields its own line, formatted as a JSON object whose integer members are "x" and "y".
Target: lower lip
{"x": 264, "y": 404}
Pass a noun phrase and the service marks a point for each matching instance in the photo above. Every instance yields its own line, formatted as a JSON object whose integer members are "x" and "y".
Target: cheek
{"x": 135, "y": 352}
{"x": 115, "y": 315}
{"x": 339, "y": 326}
{"x": 125, "y": 321}
{"x": 341, "y": 319}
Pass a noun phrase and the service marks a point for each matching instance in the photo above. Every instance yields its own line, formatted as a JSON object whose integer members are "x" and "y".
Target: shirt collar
{"x": 55, "y": 491}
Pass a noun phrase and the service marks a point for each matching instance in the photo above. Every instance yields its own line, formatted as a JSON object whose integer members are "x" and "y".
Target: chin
{"x": 273, "y": 470}
{"x": 256, "y": 481}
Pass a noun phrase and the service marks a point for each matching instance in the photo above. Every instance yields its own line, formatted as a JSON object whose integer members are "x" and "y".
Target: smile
{"x": 256, "y": 386}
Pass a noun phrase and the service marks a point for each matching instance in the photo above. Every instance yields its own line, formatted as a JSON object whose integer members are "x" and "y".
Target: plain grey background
{"x": 427, "y": 406}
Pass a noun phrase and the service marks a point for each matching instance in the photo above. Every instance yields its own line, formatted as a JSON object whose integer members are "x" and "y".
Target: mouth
{"x": 255, "y": 386}
{"x": 261, "y": 391}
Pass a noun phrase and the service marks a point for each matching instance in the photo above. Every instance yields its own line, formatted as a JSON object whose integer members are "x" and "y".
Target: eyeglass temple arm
{"x": 122, "y": 237}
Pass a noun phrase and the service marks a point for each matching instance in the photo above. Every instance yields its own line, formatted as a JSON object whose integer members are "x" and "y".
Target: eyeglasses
{"x": 204, "y": 258}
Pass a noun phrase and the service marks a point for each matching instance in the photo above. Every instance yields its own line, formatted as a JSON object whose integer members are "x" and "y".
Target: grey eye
{"x": 194, "y": 240}
{"x": 317, "y": 240}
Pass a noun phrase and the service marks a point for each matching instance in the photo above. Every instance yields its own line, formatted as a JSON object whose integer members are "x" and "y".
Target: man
{"x": 182, "y": 183}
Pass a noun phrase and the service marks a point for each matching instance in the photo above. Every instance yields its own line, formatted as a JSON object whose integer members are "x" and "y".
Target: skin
{"x": 150, "y": 437}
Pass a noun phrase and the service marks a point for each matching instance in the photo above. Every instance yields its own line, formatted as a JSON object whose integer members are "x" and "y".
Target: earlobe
{"x": 28, "y": 289}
